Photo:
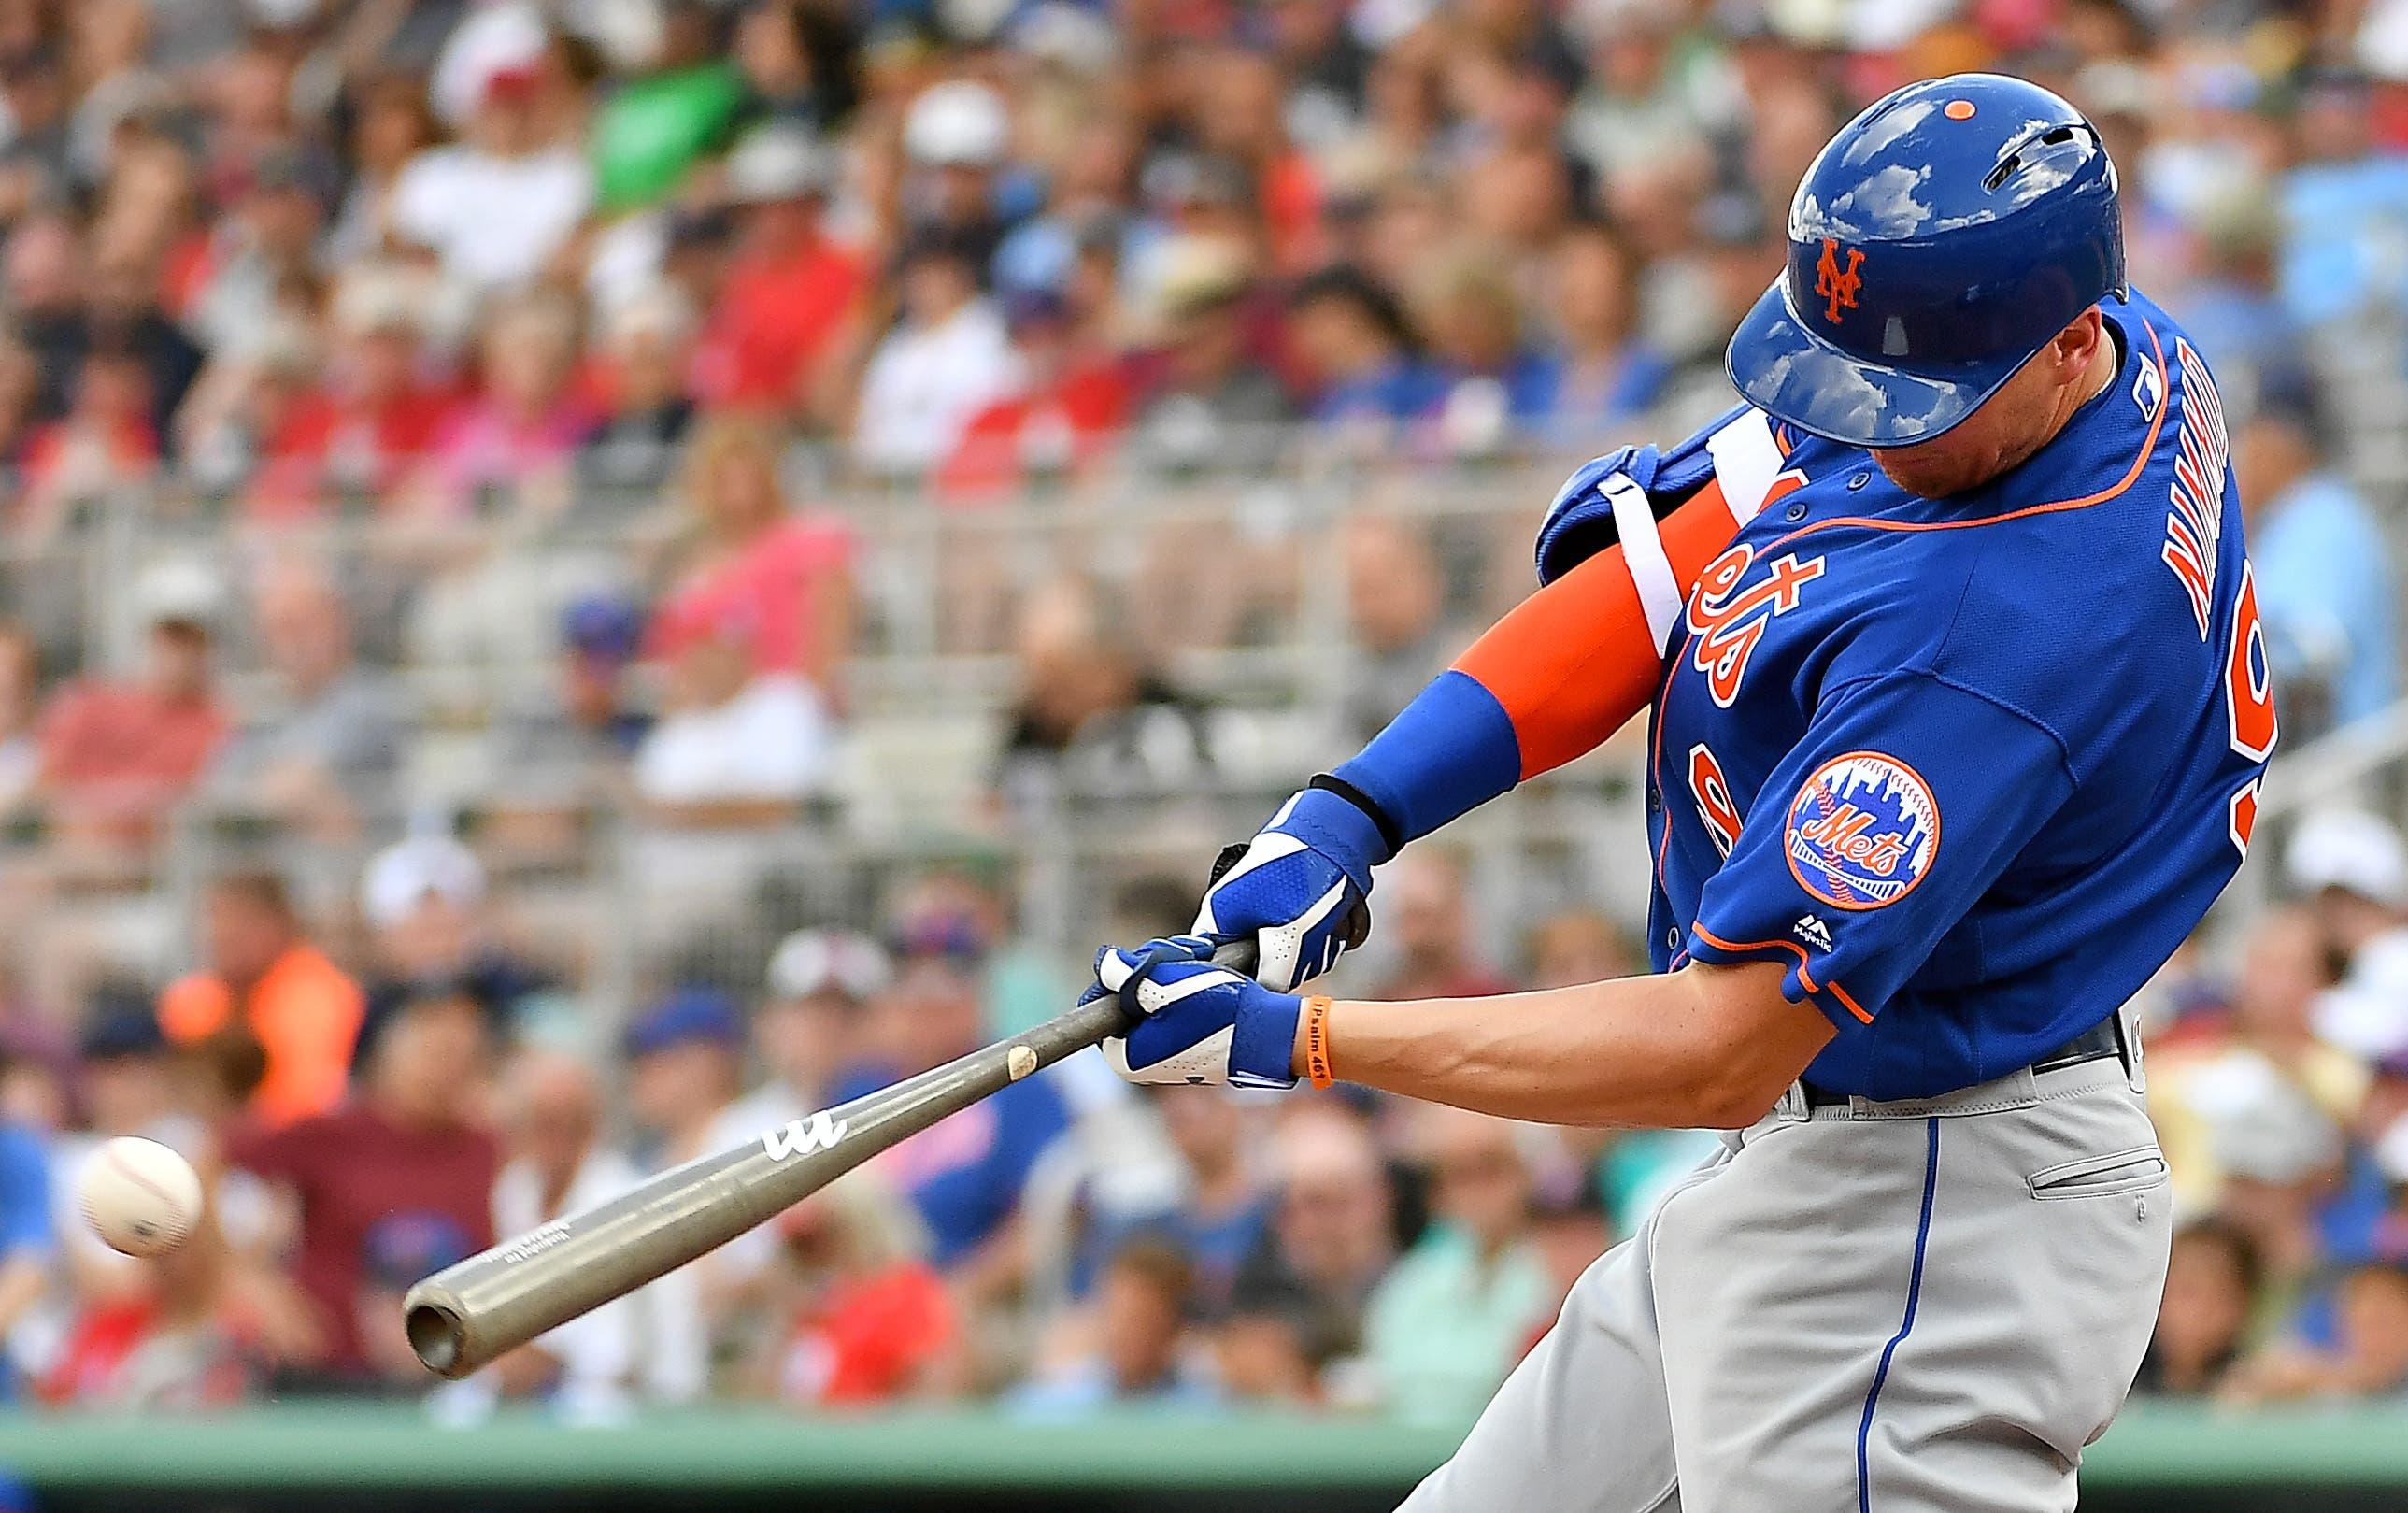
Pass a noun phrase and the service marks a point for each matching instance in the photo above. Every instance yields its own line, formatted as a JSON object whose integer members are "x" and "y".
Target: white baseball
{"x": 138, "y": 1196}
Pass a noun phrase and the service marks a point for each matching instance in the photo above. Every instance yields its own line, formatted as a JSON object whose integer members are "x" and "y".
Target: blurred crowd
{"x": 432, "y": 429}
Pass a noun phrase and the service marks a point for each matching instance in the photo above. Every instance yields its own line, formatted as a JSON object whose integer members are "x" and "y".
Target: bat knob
{"x": 436, "y": 1331}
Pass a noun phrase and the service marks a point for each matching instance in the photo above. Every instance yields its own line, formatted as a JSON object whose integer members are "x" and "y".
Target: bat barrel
{"x": 472, "y": 1313}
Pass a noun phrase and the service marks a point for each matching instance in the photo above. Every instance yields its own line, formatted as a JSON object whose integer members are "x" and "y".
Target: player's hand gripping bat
{"x": 468, "y": 1315}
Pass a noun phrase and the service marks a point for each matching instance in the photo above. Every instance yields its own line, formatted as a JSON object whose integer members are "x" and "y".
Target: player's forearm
{"x": 1705, "y": 1046}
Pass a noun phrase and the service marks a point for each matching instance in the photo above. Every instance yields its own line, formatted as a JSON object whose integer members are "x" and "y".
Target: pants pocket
{"x": 2097, "y": 1176}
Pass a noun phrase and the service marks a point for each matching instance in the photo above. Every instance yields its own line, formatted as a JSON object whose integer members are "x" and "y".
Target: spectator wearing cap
{"x": 956, "y": 134}
{"x": 779, "y": 323}
{"x": 424, "y": 902}
{"x": 327, "y": 755}
{"x": 128, "y": 1078}
{"x": 2350, "y": 869}
{"x": 683, "y": 1056}
{"x": 664, "y": 117}
{"x": 263, "y": 982}
{"x": 631, "y": 450}
{"x": 569, "y": 746}
{"x": 947, "y": 359}
{"x": 821, "y": 982}
{"x": 496, "y": 206}
{"x": 2325, "y": 584}
{"x": 742, "y": 554}
{"x": 964, "y": 1174}
{"x": 406, "y": 1160}
{"x": 116, "y": 756}
{"x": 1208, "y": 396}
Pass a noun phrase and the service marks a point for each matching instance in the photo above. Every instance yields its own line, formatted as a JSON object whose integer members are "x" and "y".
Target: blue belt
{"x": 2095, "y": 1044}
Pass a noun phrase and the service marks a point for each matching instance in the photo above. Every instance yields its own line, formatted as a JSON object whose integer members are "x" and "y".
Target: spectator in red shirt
{"x": 360, "y": 433}
{"x": 746, "y": 560}
{"x": 117, "y": 756}
{"x": 862, "y": 1318}
{"x": 789, "y": 290}
{"x": 1071, "y": 404}
{"x": 105, "y": 443}
{"x": 405, "y": 1165}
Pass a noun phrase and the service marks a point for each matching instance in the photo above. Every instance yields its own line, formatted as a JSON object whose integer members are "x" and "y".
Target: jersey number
{"x": 1712, "y": 790}
{"x": 2248, "y": 705}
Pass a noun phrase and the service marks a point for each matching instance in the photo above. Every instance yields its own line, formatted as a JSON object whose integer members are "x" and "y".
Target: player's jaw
{"x": 2026, "y": 413}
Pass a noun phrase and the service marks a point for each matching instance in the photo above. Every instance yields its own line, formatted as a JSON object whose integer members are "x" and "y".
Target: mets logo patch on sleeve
{"x": 1862, "y": 831}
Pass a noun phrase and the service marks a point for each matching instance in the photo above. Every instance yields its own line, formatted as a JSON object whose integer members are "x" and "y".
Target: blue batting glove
{"x": 1300, "y": 890}
{"x": 1201, "y": 1023}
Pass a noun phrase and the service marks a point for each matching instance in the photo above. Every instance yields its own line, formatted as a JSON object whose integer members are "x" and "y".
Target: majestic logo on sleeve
{"x": 1728, "y": 620}
{"x": 1862, "y": 831}
{"x": 1835, "y": 283}
{"x": 2195, "y": 522}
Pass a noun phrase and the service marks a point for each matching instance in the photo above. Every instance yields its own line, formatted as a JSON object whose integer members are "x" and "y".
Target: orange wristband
{"x": 1317, "y": 1041}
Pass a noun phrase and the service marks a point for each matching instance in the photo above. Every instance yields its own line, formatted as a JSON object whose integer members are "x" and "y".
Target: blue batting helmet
{"x": 1940, "y": 240}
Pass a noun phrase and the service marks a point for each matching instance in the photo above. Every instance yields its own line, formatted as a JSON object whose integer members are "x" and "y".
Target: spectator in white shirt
{"x": 949, "y": 358}
{"x": 559, "y": 1165}
{"x": 733, "y": 746}
{"x": 496, "y": 206}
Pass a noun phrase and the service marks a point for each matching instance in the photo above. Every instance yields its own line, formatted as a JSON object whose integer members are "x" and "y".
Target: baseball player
{"x": 1960, "y": 707}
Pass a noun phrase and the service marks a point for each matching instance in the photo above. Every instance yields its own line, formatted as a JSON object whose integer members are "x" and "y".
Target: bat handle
{"x": 1238, "y": 954}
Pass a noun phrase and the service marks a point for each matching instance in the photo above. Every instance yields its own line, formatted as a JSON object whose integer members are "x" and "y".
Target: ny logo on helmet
{"x": 1835, "y": 283}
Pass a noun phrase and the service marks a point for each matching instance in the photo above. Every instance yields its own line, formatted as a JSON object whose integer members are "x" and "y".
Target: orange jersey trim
{"x": 1805, "y": 972}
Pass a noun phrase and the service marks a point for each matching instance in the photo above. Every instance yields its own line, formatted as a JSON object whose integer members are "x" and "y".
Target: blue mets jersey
{"x": 1973, "y": 767}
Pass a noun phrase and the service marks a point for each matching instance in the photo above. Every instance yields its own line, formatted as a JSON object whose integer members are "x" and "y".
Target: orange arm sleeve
{"x": 1575, "y": 660}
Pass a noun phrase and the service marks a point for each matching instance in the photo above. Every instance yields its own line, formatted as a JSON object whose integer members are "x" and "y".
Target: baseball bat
{"x": 475, "y": 1311}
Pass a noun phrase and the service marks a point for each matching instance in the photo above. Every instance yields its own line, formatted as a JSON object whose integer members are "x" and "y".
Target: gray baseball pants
{"x": 1904, "y": 1307}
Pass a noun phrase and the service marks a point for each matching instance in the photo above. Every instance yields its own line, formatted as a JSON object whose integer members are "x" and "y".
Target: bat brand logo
{"x": 1862, "y": 831}
{"x": 1835, "y": 283}
{"x": 801, "y": 1137}
{"x": 535, "y": 1242}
